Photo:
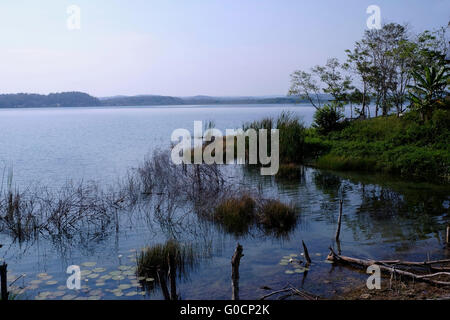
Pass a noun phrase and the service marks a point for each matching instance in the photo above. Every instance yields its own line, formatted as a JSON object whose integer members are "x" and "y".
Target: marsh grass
{"x": 238, "y": 214}
{"x": 156, "y": 257}
{"x": 276, "y": 217}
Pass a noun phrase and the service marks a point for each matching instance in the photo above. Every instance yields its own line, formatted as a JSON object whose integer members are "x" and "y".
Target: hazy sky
{"x": 184, "y": 47}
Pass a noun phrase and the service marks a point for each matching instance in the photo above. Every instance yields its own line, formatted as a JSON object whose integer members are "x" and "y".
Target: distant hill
{"x": 64, "y": 99}
{"x": 195, "y": 100}
{"x": 144, "y": 100}
{"x": 80, "y": 99}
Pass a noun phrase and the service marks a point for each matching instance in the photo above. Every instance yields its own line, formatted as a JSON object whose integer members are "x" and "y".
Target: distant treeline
{"x": 64, "y": 99}
{"x": 80, "y": 99}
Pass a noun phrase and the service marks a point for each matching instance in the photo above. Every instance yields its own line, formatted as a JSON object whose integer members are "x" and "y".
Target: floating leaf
{"x": 118, "y": 294}
{"x": 123, "y": 268}
{"x": 35, "y": 282}
{"x": 94, "y": 298}
{"x": 68, "y": 297}
{"x": 124, "y": 286}
{"x": 93, "y": 275}
{"x": 41, "y": 275}
{"x": 59, "y": 293}
{"x": 118, "y": 278}
{"x": 89, "y": 264}
{"x": 85, "y": 272}
{"x": 289, "y": 272}
{"x": 149, "y": 279}
{"x": 131, "y": 294}
{"x": 95, "y": 292}
{"x": 51, "y": 282}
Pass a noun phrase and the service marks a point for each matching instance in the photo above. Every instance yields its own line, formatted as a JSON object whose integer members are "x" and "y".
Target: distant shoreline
{"x": 80, "y": 99}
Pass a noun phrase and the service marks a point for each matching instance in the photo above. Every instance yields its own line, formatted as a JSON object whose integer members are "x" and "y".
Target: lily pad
{"x": 89, "y": 264}
{"x": 289, "y": 272}
{"x": 51, "y": 282}
{"x": 124, "y": 286}
{"x": 99, "y": 270}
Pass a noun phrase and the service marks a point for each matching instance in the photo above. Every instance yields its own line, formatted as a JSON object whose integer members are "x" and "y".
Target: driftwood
{"x": 292, "y": 292}
{"x": 388, "y": 268}
{"x": 235, "y": 261}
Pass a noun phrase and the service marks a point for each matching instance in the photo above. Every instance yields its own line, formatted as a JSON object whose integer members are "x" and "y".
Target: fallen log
{"x": 332, "y": 256}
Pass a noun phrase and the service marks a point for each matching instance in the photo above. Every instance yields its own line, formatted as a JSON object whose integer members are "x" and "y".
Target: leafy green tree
{"x": 428, "y": 92}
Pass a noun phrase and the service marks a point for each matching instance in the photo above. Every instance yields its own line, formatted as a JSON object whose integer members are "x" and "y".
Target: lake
{"x": 384, "y": 217}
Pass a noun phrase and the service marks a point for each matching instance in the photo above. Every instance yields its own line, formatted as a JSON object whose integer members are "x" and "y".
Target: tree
{"x": 303, "y": 84}
{"x": 359, "y": 61}
{"x": 336, "y": 83}
{"x": 357, "y": 97}
{"x": 429, "y": 90}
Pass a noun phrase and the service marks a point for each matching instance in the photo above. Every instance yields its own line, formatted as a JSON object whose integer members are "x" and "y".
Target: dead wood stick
{"x": 366, "y": 263}
{"x": 338, "y": 230}
{"x": 235, "y": 261}
{"x": 447, "y": 239}
{"x": 305, "y": 250}
{"x": 4, "y": 281}
{"x": 414, "y": 263}
{"x": 273, "y": 293}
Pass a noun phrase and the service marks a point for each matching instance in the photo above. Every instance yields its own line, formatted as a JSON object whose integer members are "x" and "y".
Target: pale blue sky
{"x": 184, "y": 47}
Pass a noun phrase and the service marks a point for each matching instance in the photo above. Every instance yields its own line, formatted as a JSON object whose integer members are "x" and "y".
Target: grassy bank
{"x": 401, "y": 146}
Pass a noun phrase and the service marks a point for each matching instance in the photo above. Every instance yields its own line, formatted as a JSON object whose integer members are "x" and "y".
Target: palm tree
{"x": 429, "y": 90}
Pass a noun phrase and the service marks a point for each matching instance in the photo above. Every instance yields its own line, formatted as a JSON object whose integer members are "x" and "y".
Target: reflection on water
{"x": 382, "y": 219}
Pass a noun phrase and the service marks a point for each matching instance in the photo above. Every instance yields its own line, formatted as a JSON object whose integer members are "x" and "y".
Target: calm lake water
{"x": 383, "y": 218}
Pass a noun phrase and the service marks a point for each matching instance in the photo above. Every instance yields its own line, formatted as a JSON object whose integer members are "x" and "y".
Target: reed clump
{"x": 156, "y": 258}
{"x": 238, "y": 214}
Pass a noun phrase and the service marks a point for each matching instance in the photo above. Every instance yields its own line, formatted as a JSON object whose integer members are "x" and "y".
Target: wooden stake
{"x": 3, "y": 281}
{"x": 163, "y": 284}
{"x": 338, "y": 230}
{"x": 305, "y": 250}
{"x": 235, "y": 261}
{"x": 448, "y": 236}
{"x": 172, "y": 277}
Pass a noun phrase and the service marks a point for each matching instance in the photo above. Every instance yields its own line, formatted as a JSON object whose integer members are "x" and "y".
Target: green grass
{"x": 401, "y": 146}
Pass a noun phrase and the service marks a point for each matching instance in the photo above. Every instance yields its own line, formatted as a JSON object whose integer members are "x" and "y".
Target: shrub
{"x": 326, "y": 119}
{"x": 276, "y": 216}
{"x": 236, "y": 214}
